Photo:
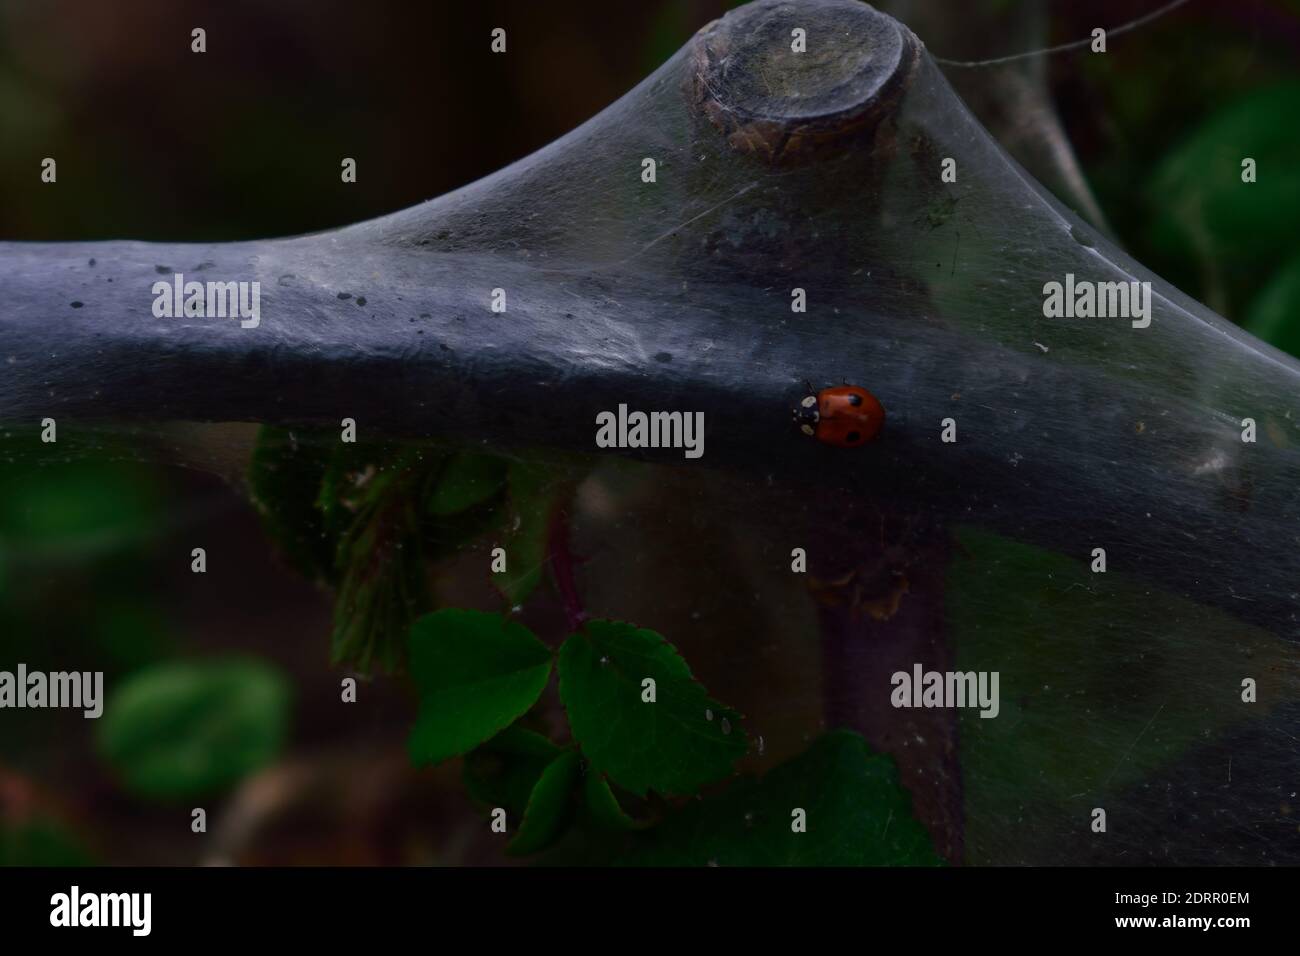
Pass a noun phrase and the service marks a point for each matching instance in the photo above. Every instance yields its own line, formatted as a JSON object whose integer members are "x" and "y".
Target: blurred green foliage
{"x": 75, "y": 509}
{"x": 190, "y": 728}
{"x": 1274, "y": 313}
{"x": 1201, "y": 198}
{"x": 1162, "y": 124}
{"x": 41, "y": 842}
{"x": 1067, "y": 641}
{"x": 76, "y": 540}
{"x": 1205, "y": 213}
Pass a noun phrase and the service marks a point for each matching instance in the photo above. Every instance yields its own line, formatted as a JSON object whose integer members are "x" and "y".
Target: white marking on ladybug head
{"x": 809, "y": 401}
{"x": 806, "y": 429}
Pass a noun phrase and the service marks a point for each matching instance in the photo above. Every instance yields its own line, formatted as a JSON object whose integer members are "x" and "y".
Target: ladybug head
{"x": 806, "y": 415}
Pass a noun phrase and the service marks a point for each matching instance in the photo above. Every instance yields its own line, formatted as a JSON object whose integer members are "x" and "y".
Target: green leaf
{"x": 40, "y": 843}
{"x": 1275, "y": 314}
{"x": 190, "y": 728}
{"x": 468, "y": 480}
{"x": 675, "y": 745}
{"x": 857, "y": 814}
{"x": 504, "y": 771}
{"x": 464, "y": 500}
{"x": 381, "y": 570}
{"x": 1200, "y": 203}
{"x": 360, "y": 474}
{"x": 351, "y": 514}
{"x": 547, "y": 807}
{"x": 605, "y": 809}
{"x": 285, "y": 477}
{"x": 532, "y": 496}
{"x": 477, "y": 673}
{"x": 80, "y": 508}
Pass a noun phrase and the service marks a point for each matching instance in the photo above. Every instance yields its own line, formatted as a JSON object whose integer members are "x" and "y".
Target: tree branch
{"x": 774, "y": 170}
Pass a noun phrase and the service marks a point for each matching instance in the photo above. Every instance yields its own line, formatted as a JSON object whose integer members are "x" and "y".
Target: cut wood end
{"x": 784, "y": 104}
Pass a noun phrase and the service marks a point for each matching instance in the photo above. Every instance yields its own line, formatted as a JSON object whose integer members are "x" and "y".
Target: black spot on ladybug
{"x": 855, "y": 399}
{"x": 853, "y": 436}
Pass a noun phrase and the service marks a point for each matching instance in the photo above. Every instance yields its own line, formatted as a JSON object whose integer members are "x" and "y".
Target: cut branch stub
{"x": 786, "y": 106}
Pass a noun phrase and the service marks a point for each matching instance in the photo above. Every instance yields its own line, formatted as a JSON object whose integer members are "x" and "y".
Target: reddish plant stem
{"x": 562, "y": 562}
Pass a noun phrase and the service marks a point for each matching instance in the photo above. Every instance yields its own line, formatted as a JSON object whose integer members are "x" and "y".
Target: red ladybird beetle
{"x": 845, "y": 416}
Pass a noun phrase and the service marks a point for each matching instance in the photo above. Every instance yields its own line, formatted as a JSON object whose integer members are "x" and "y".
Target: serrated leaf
{"x": 285, "y": 476}
{"x": 504, "y": 771}
{"x": 477, "y": 673}
{"x": 349, "y": 513}
{"x": 382, "y": 583}
{"x": 856, "y": 811}
{"x": 360, "y": 474}
{"x": 468, "y": 479}
{"x": 547, "y": 807}
{"x": 673, "y": 746}
{"x": 184, "y": 729}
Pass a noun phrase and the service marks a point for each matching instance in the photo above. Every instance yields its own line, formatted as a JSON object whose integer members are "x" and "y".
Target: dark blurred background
{"x": 156, "y": 143}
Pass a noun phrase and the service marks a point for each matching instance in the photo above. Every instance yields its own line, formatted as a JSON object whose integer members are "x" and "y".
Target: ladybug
{"x": 845, "y": 416}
